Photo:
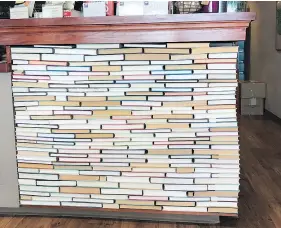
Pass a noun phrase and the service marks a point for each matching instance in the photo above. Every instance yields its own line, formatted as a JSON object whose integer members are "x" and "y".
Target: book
{"x": 147, "y": 57}
{"x": 225, "y": 66}
{"x": 230, "y": 124}
{"x": 146, "y": 45}
{"x": 172, "y": 62}
{"x": 222, "y": 102}
{"x": 186, "y": 77}
{"x": 187, "y": 45}
{"x": 119, "y": 51}
{"x": 209, "y": 107}
{"x": 30, "y": 50}
{"x": 233, "y": 84}
{"x": 148, "y": 67}
{"x": 125, "y": 63}
{"x": 141, "y": 103}
{"x": 170, "y": 98}
{"x": 100, "y": 78}
{"x": 24, "y": 62}
{"x": 68, "y": 68}
{"x": 105, "y": 63}
{"x": 212, "y": 115}
{"x": 185, "y": 104}
{"x": 26, "y": 56}
{"x": 167, "y": 50}
{"x": 28, "y": 67}
{"x": 222, "y": 76}
{"x": 60, "y": 57}
{"x": 106, "y": 68}
{"x": 34, "y": 62}
{"x": 190, "y": 56}
{"x": 96, "y": 46}
{"x": 214, "y": 97}
{"x": 75, "y": 51}
{"x": 215, "y": 89}
{"x": 143, "y": 77}
{"x": 223, "y": 56}
{"x": 184, "y": 67}
{"x": 132, "y": 72}
{"x": 87, "y": 73}
{"x": 188, "y": 85}
{"x": 215, "y": 61}
{"x": 54, "y": 46}
{"x": 214, "y": 50}
{"x": 103, "y": 58}
{"x": 171, "y": 72}
{"x": 214, "y": 71}
{"x": 222, "y": 93}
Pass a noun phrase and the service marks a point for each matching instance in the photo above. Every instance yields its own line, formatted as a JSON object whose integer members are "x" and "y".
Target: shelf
{"x": 117, "y": 20}
{"x": 130, "y": 29}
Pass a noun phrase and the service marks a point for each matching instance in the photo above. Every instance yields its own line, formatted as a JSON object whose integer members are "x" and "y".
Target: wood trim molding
{"x": 131, "y": 215}
{"x": 110, "y": 20}
{"x": 167, "y": 28}
{"x": 153, "y": 212}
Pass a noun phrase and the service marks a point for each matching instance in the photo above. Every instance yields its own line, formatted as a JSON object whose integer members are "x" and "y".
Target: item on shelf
{"x": 78, "y": 6}
{"x": 98, "y": 8}
{"x": 52, "y": 10}
{"x": 143, "y": 8}
{"x": 252, "y": 94}
{"x": 2, "y": 53}
{"x": 241, "y": 60}
{"x": 68, "y": 5}
{"x": 185, "y": 7}
{"x": 210, "y": 6}
{"x": 5, "y": 9}
{"x": 222, "y": 6}
{"x": 37, "y": 11}
{"x": 91, "y": 9}
{"x": 67, "y": 13}
{"x": 30, "y": 6}
{"x": 236, "y": 6}
{"x": 22, "y": 9}
{"x": 129, "y": 8}
{"x": 19, "y": 12}
{"x": 156, "y": 8}
{"x": 110, "y": 8}
{"x": 38, "y": 15}
{"x": 69, "y": 9}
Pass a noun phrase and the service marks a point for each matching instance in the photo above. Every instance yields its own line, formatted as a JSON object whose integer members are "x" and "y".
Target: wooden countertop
{"x": 117, "y": 20}
{"x": 129, "y": 29}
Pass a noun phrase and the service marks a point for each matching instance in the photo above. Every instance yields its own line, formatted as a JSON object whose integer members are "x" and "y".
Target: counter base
{"x": 109, "y": 214}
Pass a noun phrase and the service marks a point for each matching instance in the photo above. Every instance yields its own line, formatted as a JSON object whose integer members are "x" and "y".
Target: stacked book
{"x": 138, "y": 126}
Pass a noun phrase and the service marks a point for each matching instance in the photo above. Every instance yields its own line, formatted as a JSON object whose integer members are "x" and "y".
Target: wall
{"x": 9, "y": 196}
{"x": 265, "y": 60}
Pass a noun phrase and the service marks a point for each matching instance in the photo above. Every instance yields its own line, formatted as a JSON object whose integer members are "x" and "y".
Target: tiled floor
{"x": 260, "y": 196}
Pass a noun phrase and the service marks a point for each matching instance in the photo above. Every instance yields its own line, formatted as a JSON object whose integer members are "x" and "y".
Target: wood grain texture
{"x": 119, "y": 36}
{"x": 167, "y": 28}
{"x": 204, "y": 17}
{"x": 258, "y": 206}
{"x": 125, "y": 210}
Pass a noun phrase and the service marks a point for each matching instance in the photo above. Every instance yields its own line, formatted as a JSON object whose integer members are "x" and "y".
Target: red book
{"x": 109, "y": 8}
